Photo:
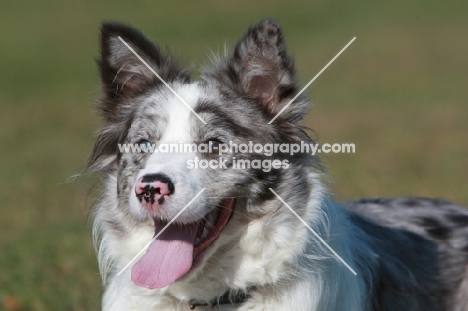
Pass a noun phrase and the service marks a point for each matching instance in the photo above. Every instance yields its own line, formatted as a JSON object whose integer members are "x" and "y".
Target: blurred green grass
{"x": 398, "y": 93}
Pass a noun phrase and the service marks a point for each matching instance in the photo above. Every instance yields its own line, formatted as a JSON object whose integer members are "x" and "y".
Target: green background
{"x": 399, "y": 93}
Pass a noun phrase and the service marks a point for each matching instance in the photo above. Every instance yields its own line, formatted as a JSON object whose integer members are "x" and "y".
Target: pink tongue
{"x": 168, "y": 258}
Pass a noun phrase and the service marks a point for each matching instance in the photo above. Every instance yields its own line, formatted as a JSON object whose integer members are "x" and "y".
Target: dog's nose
{"x": 152, "y": 189}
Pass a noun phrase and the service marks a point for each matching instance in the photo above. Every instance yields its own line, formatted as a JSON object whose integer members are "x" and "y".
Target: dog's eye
{"x": 145, "y": 145}
{"x": 214, "y": 143}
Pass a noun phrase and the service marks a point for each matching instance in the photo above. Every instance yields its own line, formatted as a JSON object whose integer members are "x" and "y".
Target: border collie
{"x": 223, "y": 237}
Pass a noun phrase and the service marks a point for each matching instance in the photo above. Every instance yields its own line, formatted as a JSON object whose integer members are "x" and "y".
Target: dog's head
{"x": 204, "y": 203}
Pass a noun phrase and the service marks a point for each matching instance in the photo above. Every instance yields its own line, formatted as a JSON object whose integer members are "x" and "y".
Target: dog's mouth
{"x": 179, "y": 247}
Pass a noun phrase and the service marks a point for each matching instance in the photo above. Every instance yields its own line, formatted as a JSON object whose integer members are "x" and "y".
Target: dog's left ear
{"x": 261, "y": 69}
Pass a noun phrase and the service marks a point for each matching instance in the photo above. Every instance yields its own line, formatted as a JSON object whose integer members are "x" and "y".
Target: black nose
{"x": 149, "y": 178}
{"x": 152, "y": 189}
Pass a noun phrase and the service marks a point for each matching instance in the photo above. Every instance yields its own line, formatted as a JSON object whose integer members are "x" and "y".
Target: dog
{"x": 170, "y": 236}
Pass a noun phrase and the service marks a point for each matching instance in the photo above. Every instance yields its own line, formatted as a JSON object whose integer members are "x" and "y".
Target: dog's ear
{"x": 261, "y": 68}
{"x": 124, "y": 73}
{"x": 105, "y": 148}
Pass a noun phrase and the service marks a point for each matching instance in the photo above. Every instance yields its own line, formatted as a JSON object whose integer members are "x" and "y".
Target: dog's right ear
{"x": 125, "y": 57}
{"x": 124, "y": 74}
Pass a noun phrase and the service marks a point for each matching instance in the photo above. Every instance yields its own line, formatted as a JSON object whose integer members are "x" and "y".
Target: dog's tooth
{"x": 210, "y": 218}
{"x": 205, "y": 232}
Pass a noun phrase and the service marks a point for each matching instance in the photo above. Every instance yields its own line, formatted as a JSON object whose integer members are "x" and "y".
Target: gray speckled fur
{"x": 409, "y": 254}
{"x": 440, "y": 231}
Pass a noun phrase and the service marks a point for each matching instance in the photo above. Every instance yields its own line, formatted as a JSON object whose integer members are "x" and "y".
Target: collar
{"x": 230, "y": 297}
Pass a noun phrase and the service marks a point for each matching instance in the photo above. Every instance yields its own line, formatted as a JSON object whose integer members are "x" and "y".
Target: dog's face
{"x": 236, "y": 98}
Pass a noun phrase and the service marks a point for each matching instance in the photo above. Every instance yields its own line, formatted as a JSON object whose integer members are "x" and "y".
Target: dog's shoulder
{"x": 417, "y": 238}
{"x": 435, "y": 219}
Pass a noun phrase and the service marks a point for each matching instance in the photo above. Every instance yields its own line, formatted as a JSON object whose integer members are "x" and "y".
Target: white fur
{"x": 308, "y": 285}
{"x": 175, "y": 165}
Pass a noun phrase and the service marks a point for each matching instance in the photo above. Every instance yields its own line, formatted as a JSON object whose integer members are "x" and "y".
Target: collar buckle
{"x": 230, "y": 297}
